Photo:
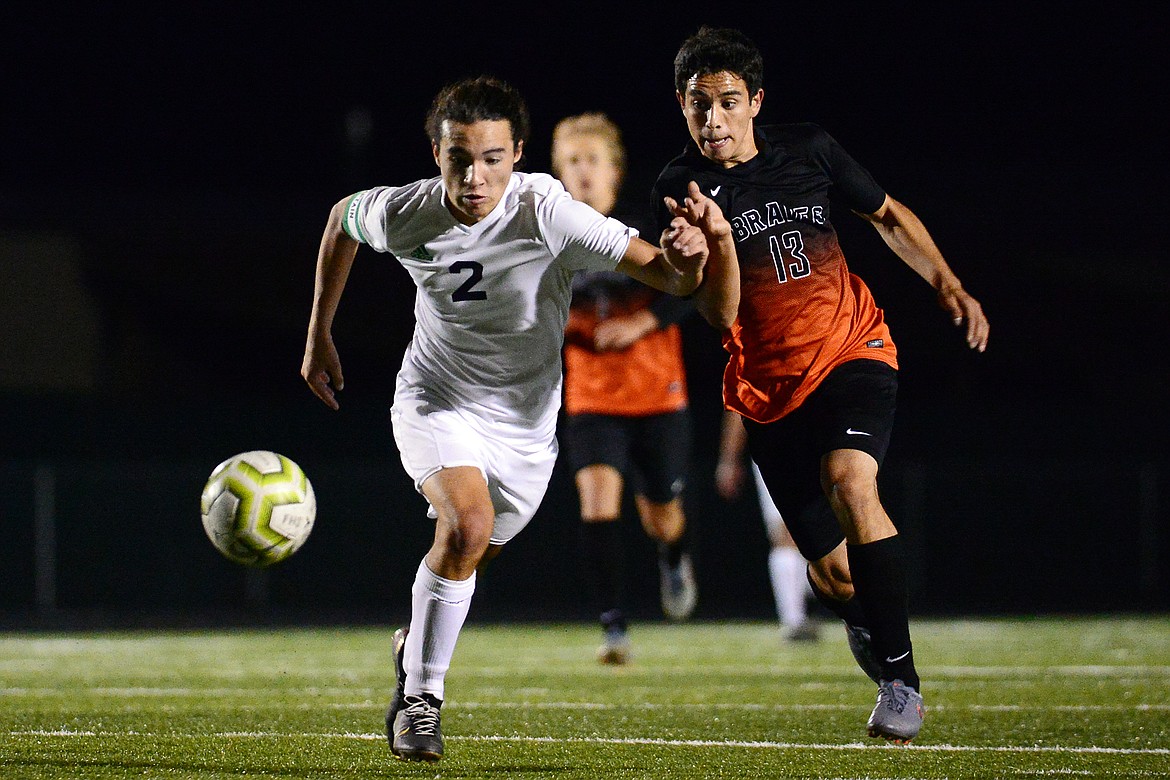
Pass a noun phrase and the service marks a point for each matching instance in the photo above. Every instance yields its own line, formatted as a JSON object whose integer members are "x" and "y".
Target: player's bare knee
{"x": 465, "y": 537}
{"x": 852, "y": 493}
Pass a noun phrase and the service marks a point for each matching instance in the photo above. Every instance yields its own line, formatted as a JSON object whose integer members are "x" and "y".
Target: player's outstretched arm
{"x": 904, "y": 233}
{"x": 322, "y": 367}
{"x": 717, "y": 298}
{"x": 676, "y": 266}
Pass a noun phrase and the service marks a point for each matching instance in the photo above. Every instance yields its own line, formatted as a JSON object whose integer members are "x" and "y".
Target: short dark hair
{"x": 475, "y": 99}
{"x": 715, "y": 49}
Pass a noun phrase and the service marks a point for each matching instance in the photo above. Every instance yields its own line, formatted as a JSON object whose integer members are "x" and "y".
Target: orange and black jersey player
{"x": 802, "y": 313}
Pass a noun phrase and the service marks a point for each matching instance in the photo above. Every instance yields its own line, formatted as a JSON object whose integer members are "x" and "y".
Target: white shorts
{"x": 516, "y": 468}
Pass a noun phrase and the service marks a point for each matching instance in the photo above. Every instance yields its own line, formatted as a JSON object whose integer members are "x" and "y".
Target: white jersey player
{"x": 492, "y": 253}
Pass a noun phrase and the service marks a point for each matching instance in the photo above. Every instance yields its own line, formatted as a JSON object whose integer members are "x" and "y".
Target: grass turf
{"x": 1077, "y": 697}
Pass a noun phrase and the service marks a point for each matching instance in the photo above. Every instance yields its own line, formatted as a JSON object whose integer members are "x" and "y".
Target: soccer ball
{"x": 258, "y": 508}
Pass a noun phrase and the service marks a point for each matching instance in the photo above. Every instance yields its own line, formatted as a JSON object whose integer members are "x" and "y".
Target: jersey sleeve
{"x": 372, "y": 216}
{"x": 582, "y": 238}
{"x": 851, "y": 182}
{"x": 363, "y": 222}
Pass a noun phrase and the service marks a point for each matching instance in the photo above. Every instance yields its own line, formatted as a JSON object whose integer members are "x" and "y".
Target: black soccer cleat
{"x": 416, "y": 734}
{"x": 398, "y": 647}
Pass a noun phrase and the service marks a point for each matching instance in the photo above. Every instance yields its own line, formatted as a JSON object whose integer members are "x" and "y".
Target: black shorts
{"x": 653, "y": 453}
{"x": 852, "y": 409}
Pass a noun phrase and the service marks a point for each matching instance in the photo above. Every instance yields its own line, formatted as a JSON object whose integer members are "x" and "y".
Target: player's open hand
{"x": 322, "y": 369}
{"x": 700, "y": 211}
{"x": 963, "y": 308}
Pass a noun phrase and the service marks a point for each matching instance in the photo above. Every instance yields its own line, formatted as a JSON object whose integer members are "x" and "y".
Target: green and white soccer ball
{"x": 258, "y": 508}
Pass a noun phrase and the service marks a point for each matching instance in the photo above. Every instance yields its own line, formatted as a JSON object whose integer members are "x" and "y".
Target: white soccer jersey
{"x": 493, "y": 297}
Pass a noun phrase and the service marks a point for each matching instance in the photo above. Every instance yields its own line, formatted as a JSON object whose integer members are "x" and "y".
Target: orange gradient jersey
{"x": 802, "y": 313}
{"x": 646, "y": 378}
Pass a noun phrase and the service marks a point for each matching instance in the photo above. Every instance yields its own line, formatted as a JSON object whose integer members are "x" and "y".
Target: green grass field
{"x": 1077, "y": 697}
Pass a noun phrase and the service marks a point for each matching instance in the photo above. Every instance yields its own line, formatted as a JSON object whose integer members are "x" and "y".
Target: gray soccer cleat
{"x": 898, "y": 714}
{"x": 861, "y": 645}
{"x": 416, "y": 735}
{"x": 805, "y": 631}
{"x": 680, "y": 593}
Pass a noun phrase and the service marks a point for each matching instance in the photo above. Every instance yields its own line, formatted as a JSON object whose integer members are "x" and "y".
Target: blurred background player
{"x": 626, "y": 403}
{"x": 787, "y": 569}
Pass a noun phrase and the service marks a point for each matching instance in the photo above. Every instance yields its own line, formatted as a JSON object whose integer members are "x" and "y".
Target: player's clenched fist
{"x": 684, "y": 245}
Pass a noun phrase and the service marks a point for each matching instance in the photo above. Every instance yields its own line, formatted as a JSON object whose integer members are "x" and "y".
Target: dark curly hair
{"x": 475, "y": 99}
{"x": 715, "y": 49}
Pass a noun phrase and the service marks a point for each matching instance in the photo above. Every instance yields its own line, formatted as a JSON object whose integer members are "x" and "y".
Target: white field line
{"x": 372, "y": 700}
{"x": 1085, "y": 749}
{"x": 765, "y": 669}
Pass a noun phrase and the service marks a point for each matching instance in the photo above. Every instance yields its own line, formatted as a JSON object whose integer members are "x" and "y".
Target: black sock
{"x": 878, "y": 570}
{"x": 672, "y": 552}
{"x": 605, "y": 561}
{"x": 850, "y": 611}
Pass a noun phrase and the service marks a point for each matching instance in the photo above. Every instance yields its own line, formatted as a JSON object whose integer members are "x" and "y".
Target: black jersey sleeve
{"x": 661, "y": 215}
{"x": 852, "y": 183}
{"x": 673, "y": 182}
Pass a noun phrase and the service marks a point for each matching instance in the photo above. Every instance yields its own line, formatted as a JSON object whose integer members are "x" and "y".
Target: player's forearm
{"x": 732, "y": 438}
{"x": 677, "y": 281}
{"x": 718, "y": 297}
{"x": 650, "y": 265}
{"x": 909, "y": 239}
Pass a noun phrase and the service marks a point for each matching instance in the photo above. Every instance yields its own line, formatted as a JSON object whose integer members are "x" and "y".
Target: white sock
{"x": 786, "y": 568}
{"x": 438, "y": 609}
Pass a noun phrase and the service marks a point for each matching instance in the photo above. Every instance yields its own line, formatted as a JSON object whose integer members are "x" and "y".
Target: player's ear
{"x": 681, "y": 98}
{"x": 435, "y": 152}
{"x": 757, "y": 102}
{"x": 519, "y": 151}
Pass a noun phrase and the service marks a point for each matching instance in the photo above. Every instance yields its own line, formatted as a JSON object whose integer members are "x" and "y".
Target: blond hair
{"x": 593, "y": 123}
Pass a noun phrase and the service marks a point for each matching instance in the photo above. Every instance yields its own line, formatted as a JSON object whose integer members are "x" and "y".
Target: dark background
{"x": 165, "y": 176}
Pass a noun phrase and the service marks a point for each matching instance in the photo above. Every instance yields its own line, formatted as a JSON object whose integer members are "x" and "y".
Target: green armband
{"x": 350, "y": 222}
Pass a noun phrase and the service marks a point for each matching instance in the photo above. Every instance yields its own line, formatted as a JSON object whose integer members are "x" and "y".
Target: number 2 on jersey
{"x": 793, "y": 243}
{"x": 465, "y": 291}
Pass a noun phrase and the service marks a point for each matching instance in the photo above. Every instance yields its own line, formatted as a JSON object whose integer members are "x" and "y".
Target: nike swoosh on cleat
{"x": 715, "y": 190}
{"x": 852, "y": 432}
{"x": 903, "y": 655}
